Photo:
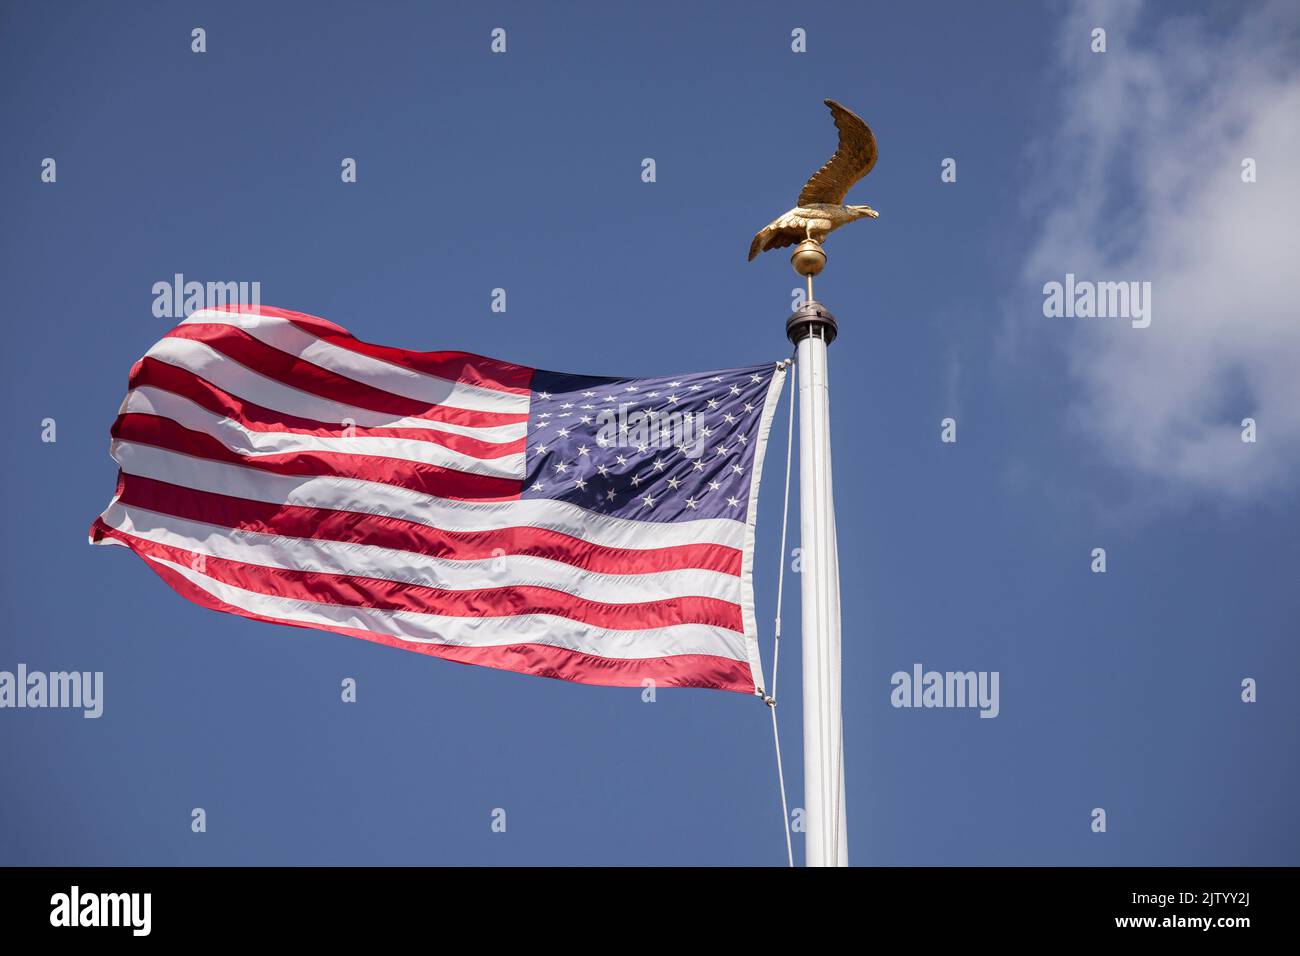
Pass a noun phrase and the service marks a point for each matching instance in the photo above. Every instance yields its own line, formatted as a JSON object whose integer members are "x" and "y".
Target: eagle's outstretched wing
{"x": 853, "y": 159}
{"x": 772, "y": 236}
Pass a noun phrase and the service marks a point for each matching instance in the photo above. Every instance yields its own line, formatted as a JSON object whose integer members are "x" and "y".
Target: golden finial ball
{"x": 808, "y": 258}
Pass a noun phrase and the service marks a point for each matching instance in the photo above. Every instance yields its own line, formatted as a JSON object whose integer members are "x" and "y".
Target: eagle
{"x": 821, "y": 208}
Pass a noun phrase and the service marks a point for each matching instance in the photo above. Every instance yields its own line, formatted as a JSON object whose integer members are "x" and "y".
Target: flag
{"x": 591, "y": 529}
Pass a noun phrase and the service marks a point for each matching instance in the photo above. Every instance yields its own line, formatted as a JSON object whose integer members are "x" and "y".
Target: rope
{"x": 770, "y": 700}
{"x": 780, "y": 777}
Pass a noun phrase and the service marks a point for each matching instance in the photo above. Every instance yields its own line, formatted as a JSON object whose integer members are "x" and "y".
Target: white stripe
{"x": 284, "y": 335}
{"x": 371, "y": 561}
{"x": 372, "y": 497}
{"x": 245, "y": 441}
{"x": 252, "y": 386}
{"x": 418, "y": 627}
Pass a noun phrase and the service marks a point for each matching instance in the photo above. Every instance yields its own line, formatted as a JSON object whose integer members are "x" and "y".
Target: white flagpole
{"x": 811, "y": 329}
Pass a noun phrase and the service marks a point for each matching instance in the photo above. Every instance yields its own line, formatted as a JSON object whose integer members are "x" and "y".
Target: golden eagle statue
{"x": 821, "y": 208}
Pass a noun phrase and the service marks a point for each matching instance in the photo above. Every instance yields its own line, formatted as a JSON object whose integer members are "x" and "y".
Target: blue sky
{"x": 522, "y": 171}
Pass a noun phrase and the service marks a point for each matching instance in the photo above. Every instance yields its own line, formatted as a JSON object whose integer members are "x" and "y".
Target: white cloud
{"x": 1145, "y": 184}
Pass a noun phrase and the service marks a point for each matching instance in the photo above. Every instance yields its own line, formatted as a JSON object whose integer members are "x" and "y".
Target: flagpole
{"x": 812, "y": 328}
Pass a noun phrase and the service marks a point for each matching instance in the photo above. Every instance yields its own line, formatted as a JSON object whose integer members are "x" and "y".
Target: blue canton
{"x": 654, "y": 449}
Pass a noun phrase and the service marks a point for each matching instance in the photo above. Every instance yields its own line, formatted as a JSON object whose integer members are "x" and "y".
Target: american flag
{"x": 591, "y": 529}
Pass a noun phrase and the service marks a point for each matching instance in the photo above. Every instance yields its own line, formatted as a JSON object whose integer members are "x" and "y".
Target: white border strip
{"x": 751, "y": 519}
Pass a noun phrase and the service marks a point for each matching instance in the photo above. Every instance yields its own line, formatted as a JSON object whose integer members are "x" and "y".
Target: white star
{"x": 588, "y": 394}
{"x": 733, "y": 502}
{"x": 642, "y": 448}
{"x": 544, "y": 396}
{"x": 609, "y": 495}
{"x": 674, "y": 384}
{"x": 755, "y": 378}
{"x": 580, "y": 484}
{"x": 716, "y": 378}
{"x": 697, "y": 465}
{"x": 602, "y": 470}
{"x": 649, "y": 501}
{"x": 563, "y": 433}
{"x": 722, "y": 450}
{"x": 611, "y": 398}
{"x": 742, "y": 439}
{"x": 537, "y": 486}
{"x": 735, "y": 390}
{"x": 630, "y": 388}
{"x": 737, "y": 469}
{"x": 561, "y": 467}
{"x": 713, "y": 403}
{"x": 540, "y": 449}
{"x": 673, "y": 483}
{"x": 659, "y": 464}
{"x": 541, "y": 424}
{"x": 602, "y": 441}
{"x": 585, "y": 419}
{"x": 672, "y": 399}
{"x": 729, "y": 418}
{"x": 620, "y": 459}
{"x": 636, "y": 481}
{"x": 714, "y": 486}
{"x": 691, "y": 502}
{"x": 582, "y": 450}
{"x": 696, "y": 388}
{"x": 706, "y": 431}
{"x": 749, "y": 407}
{"x": 651, "y": 394}
{"x": 544, "y": 415}
{"x": 567, "y": 405}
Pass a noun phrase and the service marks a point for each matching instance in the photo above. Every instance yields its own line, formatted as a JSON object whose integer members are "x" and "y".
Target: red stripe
{"x": 152, "y": 372}
{"x": 401, "y": 535}
{"x": 463, "y": 367}
{"x": 417, "y": 476}
{"x": 540, "y": 660}
{"x": 352, "y": 590}
{"x": 298, "y": 373}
